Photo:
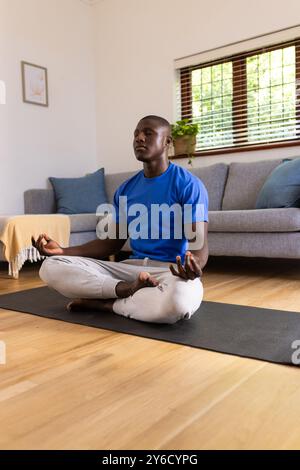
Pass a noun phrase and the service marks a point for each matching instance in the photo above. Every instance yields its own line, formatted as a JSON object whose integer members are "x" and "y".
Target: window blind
{"x": 249, "y": 99}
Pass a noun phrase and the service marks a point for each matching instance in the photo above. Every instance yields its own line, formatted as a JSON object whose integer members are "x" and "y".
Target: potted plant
{"x": 184, "y": 137}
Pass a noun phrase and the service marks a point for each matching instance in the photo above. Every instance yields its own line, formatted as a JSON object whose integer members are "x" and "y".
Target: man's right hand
{"x": 46, "y": 246}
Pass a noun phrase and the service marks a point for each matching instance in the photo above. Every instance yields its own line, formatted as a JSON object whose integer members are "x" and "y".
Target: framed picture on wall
{"x": 34, "y": 84}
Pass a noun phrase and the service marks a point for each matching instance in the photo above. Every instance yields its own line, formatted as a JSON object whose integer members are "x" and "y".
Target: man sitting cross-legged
{"x": 160, "y": 282}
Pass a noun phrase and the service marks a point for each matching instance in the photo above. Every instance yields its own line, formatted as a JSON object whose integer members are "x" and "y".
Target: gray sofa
{"x": 235, "y": 227}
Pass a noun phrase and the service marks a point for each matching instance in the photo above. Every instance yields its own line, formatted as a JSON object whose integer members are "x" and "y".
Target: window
{"x": 245, "y": 101}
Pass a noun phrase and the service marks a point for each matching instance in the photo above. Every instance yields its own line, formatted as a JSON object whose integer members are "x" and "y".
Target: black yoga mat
{"x": 257, "y": 333}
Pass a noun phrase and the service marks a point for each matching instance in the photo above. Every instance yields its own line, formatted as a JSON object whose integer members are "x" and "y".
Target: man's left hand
{"x": 189, "y": 270}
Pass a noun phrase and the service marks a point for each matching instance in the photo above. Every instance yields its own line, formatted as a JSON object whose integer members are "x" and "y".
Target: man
{"x": 160, "y": 282}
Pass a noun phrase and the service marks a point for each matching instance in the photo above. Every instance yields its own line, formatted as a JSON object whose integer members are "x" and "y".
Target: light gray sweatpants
{"x": 77, "y": 277}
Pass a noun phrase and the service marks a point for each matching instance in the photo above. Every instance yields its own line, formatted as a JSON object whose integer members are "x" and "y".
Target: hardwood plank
{"x": 70, "y": 386}
{"x": 262, "y": 413}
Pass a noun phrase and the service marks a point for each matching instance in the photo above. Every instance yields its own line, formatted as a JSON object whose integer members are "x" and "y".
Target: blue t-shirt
{"x": 154, "y": 211}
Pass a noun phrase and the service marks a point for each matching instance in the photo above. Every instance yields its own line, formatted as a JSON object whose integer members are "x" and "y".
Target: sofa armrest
{"x": 39, "y": 201}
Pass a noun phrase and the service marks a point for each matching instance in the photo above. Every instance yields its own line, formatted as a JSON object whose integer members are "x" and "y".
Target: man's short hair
{"x": 160, "y": 120}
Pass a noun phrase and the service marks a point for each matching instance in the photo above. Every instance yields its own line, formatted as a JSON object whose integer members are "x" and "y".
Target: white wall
{"x": 132, "y": 50}
{"x": 36, "y": 142}
{"x": 137, "y": 42}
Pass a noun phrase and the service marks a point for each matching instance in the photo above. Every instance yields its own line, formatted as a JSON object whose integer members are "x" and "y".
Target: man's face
{"x": 150, "y": 140}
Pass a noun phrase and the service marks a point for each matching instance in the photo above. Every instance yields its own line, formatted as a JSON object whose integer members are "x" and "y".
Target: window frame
{"x": 239, "y": 100}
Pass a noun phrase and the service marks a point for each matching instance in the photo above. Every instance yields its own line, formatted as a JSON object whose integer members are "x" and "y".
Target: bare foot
{"x": 123, "y": 290}
{"x": 126, "y": 289}
{"x": 104, "y": 305}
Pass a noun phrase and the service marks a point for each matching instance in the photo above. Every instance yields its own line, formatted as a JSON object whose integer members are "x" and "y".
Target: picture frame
{"x": 34, "y": 84}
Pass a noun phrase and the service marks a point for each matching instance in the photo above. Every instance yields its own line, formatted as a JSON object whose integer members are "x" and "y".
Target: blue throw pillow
{"x": 282, "y": 187}
{"x": 79, "y": 195}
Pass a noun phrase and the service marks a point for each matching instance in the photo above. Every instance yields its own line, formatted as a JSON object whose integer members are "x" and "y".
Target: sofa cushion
{"x": 39, "y": 201}
{"x": 214, "y": 178}
{"x": 282, "y": 187}
{"x": 113, "y": 181}
{"x": 244, "y": 182}
{"x": 79, "y": 238}
{"x": 265, "y": 245}
{"x": 83, "y": 222}
{"x": 79, "y": 195}
{"x": 259, "y": 220}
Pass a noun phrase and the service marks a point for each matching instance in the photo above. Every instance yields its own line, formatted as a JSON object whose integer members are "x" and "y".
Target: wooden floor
{"x": 72, "y": 387}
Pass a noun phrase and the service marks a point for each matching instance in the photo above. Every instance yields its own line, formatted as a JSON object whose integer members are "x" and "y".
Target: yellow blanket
{"x": 16, "y": 233}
